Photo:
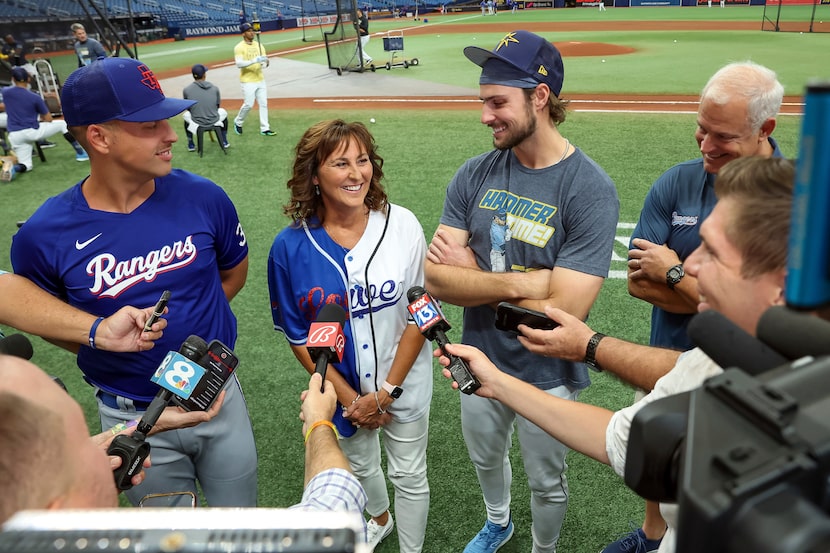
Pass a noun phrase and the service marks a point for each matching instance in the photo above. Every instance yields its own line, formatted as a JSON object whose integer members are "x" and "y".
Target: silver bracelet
{"x": 380, "y": 409}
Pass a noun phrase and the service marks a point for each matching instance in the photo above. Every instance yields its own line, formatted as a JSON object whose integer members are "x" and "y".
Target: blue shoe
{"x": 191, "y": 147}
{"x": 81, "y": 156}
{"x": 237, "y": 129}
{"x": 490, "y": 538}
{"x": 633, "y": 542}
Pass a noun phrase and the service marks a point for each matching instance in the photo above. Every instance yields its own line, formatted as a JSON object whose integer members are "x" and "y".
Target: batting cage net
{"x": 342, "y": 43}
{"x": 797, "y": 16}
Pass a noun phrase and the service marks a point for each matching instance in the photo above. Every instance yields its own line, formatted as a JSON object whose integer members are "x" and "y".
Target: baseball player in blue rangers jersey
{"x": 349, "y": 246}
{"x": 130, "y": 230}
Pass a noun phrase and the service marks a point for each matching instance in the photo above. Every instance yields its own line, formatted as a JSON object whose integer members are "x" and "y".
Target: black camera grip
{"x": 132, "y": 452}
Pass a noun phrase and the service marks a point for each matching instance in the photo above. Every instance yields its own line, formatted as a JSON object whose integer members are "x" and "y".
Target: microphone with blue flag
{"x": 177, "y": 375}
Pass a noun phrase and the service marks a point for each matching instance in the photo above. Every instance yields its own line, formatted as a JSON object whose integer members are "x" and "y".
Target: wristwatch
{"x": 674, "y": 274}
{"x": 591, "y": 351}
{"x": 394, "y": 391}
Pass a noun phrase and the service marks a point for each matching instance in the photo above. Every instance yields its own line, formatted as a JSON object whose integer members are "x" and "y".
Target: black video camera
{"x": 746, "y": 458}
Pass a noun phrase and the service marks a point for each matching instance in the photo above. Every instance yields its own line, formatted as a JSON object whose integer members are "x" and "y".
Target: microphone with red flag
{"x": 325, "y": 338}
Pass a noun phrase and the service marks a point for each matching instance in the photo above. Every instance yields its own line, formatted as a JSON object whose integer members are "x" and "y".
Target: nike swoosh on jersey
{"x": 81, "y": 245}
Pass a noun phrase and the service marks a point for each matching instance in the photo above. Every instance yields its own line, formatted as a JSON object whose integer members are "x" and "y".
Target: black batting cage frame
{"x": 343, "y": 48}
{"x": 782, "y": 17}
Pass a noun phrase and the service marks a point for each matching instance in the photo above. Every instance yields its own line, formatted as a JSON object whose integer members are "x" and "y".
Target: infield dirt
{"x": 296, "y": 85}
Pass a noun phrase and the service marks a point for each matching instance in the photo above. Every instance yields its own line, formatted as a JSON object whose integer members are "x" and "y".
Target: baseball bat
{"x": 257, "y": 29}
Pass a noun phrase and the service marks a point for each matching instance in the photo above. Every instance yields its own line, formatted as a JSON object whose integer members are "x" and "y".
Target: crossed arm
{"x": 647, "y": 266}
{"x": 453, "y": 275}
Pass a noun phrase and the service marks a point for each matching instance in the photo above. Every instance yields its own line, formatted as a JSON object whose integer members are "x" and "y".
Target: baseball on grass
{"x": 603, "y": 61}
{"x": 372, "y": 120}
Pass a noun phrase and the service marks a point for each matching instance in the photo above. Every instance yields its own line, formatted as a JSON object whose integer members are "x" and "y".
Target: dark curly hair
{"x": 318, "y": 143}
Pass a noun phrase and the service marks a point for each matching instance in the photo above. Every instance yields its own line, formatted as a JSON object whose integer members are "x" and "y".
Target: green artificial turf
{"x": 658, "y": 65}
{"x": 422, "y": 150}
{"x": 633, "y": 148}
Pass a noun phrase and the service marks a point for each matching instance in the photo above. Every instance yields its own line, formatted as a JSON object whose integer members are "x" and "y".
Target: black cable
{"x": 369, "y": 291}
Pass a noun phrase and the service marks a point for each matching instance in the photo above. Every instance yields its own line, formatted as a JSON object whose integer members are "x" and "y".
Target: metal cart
{"x": 393, "y": 42}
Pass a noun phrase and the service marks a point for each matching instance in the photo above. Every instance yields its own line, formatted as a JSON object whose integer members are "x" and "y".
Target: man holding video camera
{"x": 736, "y": 118}
{"x": 740, "y": 266}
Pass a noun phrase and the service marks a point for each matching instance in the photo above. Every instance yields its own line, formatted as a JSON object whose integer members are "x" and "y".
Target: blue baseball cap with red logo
{"x": 116, "y": 88}
{"x": 20, "y": 75}
{"x": 521, "y": 59}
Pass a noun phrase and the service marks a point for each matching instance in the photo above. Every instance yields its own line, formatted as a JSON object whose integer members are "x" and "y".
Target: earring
{"x": 316, "y": 189}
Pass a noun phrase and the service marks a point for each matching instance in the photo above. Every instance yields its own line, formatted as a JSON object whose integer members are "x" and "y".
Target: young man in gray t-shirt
{"x": 531, "y": 223}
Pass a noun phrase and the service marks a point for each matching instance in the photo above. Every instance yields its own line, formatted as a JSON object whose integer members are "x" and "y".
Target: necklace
{"x": 567, "y": 148}
{"x": 347, "y": 237}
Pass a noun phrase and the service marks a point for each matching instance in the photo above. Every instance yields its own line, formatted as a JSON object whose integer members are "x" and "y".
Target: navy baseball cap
{"x": 116, "y": 88}
{"x": 244, "y": 27}
{"x": 19, "y": 74}
{"x": 198, "y": 71}
{"x": 521, "y": 59}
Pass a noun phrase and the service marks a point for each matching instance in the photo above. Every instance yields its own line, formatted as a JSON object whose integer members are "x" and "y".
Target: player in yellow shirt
{"x": 250, "y": 58}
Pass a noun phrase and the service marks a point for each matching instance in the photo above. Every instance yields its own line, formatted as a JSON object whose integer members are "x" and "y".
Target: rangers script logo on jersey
{"x": 111, "y": 276}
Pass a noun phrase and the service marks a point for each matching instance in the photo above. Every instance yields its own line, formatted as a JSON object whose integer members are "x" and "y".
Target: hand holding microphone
{"x": 432, "y": 324}
{"x": 177, "y": 374}
{"x": 326, "y": 341}
{"x": 319, "y": 403}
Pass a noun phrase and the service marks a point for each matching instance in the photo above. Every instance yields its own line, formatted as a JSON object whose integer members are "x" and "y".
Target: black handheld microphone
{"x": 730, "y": 346}
{"x": 177, "y": 371}
{"x": 325, "y": 338}
{"x": 433, "y": 325}
{"x": 794, "y": 334}
{"x": 17, "y": 345}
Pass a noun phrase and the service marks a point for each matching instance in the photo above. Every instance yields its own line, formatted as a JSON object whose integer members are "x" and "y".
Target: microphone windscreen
{"x": 415, "y": 292}
{"x": 730, "y": 346}
{"x": 332, "y": 313}
{"x": 794, "y": 334}
{"x": 194, "y": 348}
{"x": 17, "y": 345}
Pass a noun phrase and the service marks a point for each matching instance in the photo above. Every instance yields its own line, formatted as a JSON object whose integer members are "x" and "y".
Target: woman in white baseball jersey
{"x": 348, "y": 245}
